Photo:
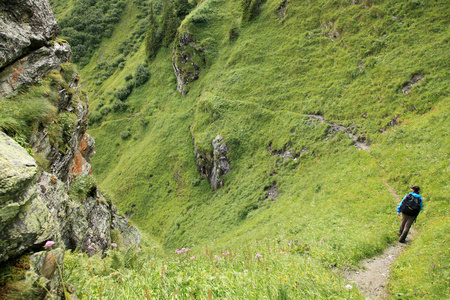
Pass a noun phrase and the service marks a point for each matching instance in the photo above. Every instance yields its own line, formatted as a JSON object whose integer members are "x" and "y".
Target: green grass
{"x": 264, "y": 269}
{"x": 345, "y": 62}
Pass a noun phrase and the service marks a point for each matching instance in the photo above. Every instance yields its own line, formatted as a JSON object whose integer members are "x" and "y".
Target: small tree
{"x": 182, "y": 8}
{"x": 152, "y": 40}
{"x": 141, "y": 75}
{"x": 123, "y": 93}
{"x": 169, "y": 23}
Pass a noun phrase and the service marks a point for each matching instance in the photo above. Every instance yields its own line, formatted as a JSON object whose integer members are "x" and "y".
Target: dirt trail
{"x": 373, "y": 278}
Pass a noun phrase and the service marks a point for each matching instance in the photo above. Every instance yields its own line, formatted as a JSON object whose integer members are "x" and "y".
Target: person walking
{"x": 409, "y": 207}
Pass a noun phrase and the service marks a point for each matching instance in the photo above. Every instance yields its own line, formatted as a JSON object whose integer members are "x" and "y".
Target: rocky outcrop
{"x": 286, "y": 152}
{"x": 360, "y": 141}
{"x": 26, "y": 25}
{"x": 221, "y": 165}
{"x": 74, "y": 159}
{"x": 129, "y": 235}
{"x": 213, "y": 165}
{"x": 414, "y": 80}
{"x": 281, "y": 11}
{"x": 35, "y": 207}
{"x": 34, "y": 66}
{"x": 25, "y": 221}
{"x": 185, "y": 59}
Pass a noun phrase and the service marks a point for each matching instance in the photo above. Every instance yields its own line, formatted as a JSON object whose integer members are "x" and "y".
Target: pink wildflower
{"x": 258, "y": 255}
{"x": 114, "y": 245}
{"x": 193, "y": 257}
{"x": 154, "y": 247}
{"x": 226, "y": 253}
{"x": 90, "y": 247}
{"x": 49, "y": 244}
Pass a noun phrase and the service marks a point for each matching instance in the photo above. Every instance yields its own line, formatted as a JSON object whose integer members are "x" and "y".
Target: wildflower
{"x": 90, "y": 247}
{"x": 154, "y": 247}
{"x": 193, "y": 257}
{"x": 226, "y": 253}
{"x": 348, "y": 286}
{"x": 114, "y": 245}
{"x": 49, "y": 244}
{"x": 258, "y": 255}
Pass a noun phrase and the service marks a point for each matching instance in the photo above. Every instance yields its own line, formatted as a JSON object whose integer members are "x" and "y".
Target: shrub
{"x": 141, "y": 75}
{"x": 125, "y": 135}
{"x": 105, "y": 110}
{"x": 82, "y": 187}
{"x": 119, "y": 106}
{"x": 128, "y": 77}
{"x": 123, "y": 92}
{"x": 94, "y": 117}
{"x": 144, "y": 121}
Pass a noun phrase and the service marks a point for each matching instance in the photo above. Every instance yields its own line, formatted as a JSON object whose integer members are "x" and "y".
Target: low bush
{"x": 123, "y": 92}
{"x": 141, "y": 75}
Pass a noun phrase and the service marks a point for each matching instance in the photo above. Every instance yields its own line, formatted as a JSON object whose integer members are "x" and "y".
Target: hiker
{"x": 410, "y": 207}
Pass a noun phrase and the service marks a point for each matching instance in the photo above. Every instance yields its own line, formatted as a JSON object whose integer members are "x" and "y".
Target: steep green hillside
{"x": 357, "y": 93}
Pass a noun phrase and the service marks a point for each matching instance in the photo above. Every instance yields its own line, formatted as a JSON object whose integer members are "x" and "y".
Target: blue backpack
{"x": 411, "y": 205}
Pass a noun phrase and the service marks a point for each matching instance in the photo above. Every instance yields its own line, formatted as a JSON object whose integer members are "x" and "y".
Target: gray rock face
{"x": 36, "y": 207}
{"x": 98, "y": 214}
{"x": 213, "y": 165}
{"x": 86, "y": 225}
{"x": 25, "y": 25}
{"x": 183, "y": 64}
{"x": 27, "y": 70}
{"x": 18, "y": 170}
{"x": 221, "y": 165}
{"x": 130, "y": 234}
{"x": 24, "y": 219}
{"x": 69, "y": 215}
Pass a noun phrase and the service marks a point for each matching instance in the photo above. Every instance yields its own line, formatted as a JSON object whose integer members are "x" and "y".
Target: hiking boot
{"x": 402, "y": 241}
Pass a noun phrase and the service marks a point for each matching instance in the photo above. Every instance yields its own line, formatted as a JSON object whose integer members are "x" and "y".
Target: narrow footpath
{"x": 372, "y": 279}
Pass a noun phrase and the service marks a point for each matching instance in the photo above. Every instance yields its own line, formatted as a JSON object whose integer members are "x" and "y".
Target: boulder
{"x": 221, "y": 165}
{"x": 69, "y": 215}
{"x": 130, "y": 234}
{"x": 32, "y": 67}
{"x": 46, "y": 268}
{"x": 24, "y": 220}
{"x": 25, "y": 25}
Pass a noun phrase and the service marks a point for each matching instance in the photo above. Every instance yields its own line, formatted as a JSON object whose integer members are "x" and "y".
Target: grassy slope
{"x": 259, "y": 89}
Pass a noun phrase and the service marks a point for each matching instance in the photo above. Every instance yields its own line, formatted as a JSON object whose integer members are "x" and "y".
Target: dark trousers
{"x": 405, "y": 225}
